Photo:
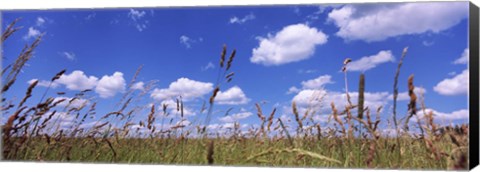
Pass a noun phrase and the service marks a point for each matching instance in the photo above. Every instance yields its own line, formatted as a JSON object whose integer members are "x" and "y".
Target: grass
{"x": 33, "y": 133}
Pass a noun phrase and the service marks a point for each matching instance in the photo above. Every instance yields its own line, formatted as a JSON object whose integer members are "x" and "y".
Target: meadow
{"x": 32, "y": 131}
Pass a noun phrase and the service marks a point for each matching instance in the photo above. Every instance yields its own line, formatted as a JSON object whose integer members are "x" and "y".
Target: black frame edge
{"x": 473, "y": 86}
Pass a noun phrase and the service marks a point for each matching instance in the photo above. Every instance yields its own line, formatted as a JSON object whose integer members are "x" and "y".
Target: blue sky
{"x": 283, "y": 54}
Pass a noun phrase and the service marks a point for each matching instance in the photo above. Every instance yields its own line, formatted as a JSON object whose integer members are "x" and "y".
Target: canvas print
{"x": 367, "y": 85}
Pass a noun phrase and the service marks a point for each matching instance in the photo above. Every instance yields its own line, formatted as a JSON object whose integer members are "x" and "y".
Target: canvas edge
{"x": 473, "y": 85}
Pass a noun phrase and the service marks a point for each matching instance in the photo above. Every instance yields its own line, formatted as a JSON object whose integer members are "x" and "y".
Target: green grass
{"x": 240, "y": 152}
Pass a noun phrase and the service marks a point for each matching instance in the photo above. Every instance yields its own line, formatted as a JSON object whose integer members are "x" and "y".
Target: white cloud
{"x": 187, "y": 41}
{"x": 369, "y": 62}
{"x": 32, "y": 32}
{"x": 461, "y": 114}
{"x": 40, "y": 21}
{"x": 317, "y": 83}
{"x": 374, "y": 22}
{"x": 68, "y": 55}
{"x": 306, "y": 97}
{"x": 137, "y": 16}
{"x": 292, "y": 90}
{"x": 210, "y": 65}
{"x": 293, "y": 43}
{"x": 246, "y": 18}
{"x": 108, "y": 86}
{"x": 44, "y": 83}
{"x": 187, "y": 88}
{"x": 236, "y": 117}
{"x": 464, "y": 58}
{"x": 78, "y": 81}
{"x": 454, "y": 86}
{"x": 138, "y": 86}
{"x": 232, "y": 96}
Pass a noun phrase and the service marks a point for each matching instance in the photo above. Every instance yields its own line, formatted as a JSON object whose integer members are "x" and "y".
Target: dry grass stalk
{"x": 395, "y": 88}
{"x": 361, "y": 96}
{"x": 336, "y": 118}
{"x": 270, "y": 118}
{"x": 210, "y": 152}
{"x": 222, "y": 56}
{"x": 230, "y": 60}
{"x": 151, "y": 117}
{"x": 297, "y": 116}
{"x": 412, "y": 105}
{"x": 10, "y": 30}
{"x": 28, "y": 93}
{"x": 19, "y": 63}
{"x": 215, "y": 92}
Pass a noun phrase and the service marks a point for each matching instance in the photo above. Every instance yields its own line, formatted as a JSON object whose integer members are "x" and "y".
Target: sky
{"x": 284, "y": 54}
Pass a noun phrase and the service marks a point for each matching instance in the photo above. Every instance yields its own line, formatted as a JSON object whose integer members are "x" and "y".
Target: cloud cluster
{"x": 232, "y": 96}
{"x": 454, "y": 86}
{"x": 78, "y": 81}
{"x": 187, "y": 88}
{"x": 137, "y": 17}
{"x": 293, "y": 43}
{"x": 374, "y": 22}
{"x": 107, "y": 86}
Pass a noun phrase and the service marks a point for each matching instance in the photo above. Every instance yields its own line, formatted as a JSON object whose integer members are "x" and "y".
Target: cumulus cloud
{"x": 246, "y": 18}
{"x": 293, "y": 43}
{"x": 187, "y": 41}
{"x": 462, "y": 114}
{"x": 374, "y": 22}
{"x": 32, "y": 33}
{"x": 236, "y": 117}
{"x": 463, "y": 58}
{"x": 187, "y": 88}
{"x": 317, "y": 83}
{"x": 108, "y": 86}
{"x": 369, "y": 62}
{"x": 78, "y": 81}
{"x": 232, "y": 96}
{"x": 454, "y": 86}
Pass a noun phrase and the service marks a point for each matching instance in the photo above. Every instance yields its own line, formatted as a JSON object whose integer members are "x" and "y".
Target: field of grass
{"x": 31, "y": 133}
